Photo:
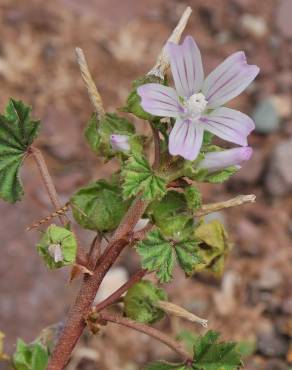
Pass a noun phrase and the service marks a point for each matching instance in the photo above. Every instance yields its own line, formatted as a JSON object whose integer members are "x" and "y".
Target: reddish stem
{"x": 50, "y": 187}
{"x": 152, "y": 332}
{"x": 156, "y": 141}
{"x": 75, "y": 323}
{"x": 117, "y": 294}
{"x": 46, "y": 177}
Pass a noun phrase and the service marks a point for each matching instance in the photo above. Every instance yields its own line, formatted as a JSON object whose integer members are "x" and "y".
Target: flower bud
{"x": 120, "y": 142}
{"x": 215, "y": 161}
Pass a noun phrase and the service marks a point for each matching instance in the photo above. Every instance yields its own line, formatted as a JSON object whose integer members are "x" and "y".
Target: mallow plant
{"x": 151, "y": 206}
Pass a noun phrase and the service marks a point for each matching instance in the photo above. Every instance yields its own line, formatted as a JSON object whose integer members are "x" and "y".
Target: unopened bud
{"x": 215, "y": 161}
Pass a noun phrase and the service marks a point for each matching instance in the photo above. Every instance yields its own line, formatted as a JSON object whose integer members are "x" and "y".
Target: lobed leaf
{"x": 159, "y": 254}
{"x": 17, "y": 132}
{"x": 138, "y": 177}
{"x": 211, "y": 355}
{"x": 30, "y": 356}
{"x": 99, "y": 206}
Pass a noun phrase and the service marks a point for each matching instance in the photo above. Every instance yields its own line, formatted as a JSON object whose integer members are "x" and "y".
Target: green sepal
{"x": 134, "y": 101}
{"x": 191, "y": 170}
{"x": 159, "y": 254}
{"x": 98, "y": 133}
{"x": 139, "y": 177}
{"x": 221, "y": 176}
{"x": 209, "y": 354}
{"x": 99, "y": 206}
{"x": 61, "y": 238}
{"x": 140, "y": 302}
{"x": 17, "y": 132}
{"x": 30, "y": 356}
{"x": 213, "y": 248}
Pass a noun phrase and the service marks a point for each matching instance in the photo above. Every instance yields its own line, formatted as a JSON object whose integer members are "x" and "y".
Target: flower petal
{"x": 186, "y": 139}
{"x": 186, "y": 66}
{"x": 229, "y": 124}
{"x": 228, "y": 80}
{"x": 215, "y": 161}
{"x": 159, "y": 100}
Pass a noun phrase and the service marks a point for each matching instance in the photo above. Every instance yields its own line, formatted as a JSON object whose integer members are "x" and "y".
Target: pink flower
{"x": 215, "y": 161}
{"x": 120, "y": 142}
{"x": 196, "y": 103}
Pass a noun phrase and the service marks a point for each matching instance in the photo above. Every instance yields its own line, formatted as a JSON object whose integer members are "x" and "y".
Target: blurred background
{"x": 252, "y": 302}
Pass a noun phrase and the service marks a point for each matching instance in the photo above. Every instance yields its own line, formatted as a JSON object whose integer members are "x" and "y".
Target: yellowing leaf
{"x": 3, "y": 355}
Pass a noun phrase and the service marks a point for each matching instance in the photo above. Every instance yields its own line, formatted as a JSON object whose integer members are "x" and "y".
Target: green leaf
{"x": 211, "y": 355}
{"x": 187, "y": 255}
{"x": 39, "y": 358}
{"x": 30, "y": 356}
{"x": 207, "y": 138}
{"x": 21, "y": 359}
{"x": 99, "y": 206}
{"x": 159, "y": 254}
{"x": 171, "y": 215}
{"x": 138, "y": 177}
{"x": 193, "y": 198}
{"x": 57, "y": 242}
{"x": 98, "y": 133}
{"x": 221, "y": 176}
{"x": 17, "y": 132}
{"x": 214, "y": 246}
{"x": 134, "y": 101}
{"x": 3, "y": 355}
{"x": 140, "y": 302}
{"x": 165, "y": 366}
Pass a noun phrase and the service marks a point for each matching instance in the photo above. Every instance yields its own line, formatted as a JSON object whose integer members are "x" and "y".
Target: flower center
{"x": 195, "y": 105}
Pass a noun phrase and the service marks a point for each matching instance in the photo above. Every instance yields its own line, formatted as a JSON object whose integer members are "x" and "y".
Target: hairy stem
{"x": 213, "y": 207}
{"x": 75, "y": 323}
{"x": 95, "y": 252}
{"x": 156, "y": 140}
{"x": 118, "y": 293}
{"x": 148, "y": 330}
{"x": 47, "y": 179}
{"x": 50, "y": 187}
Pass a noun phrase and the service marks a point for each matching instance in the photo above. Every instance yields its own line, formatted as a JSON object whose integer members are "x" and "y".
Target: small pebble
{"x": 279, "y": 176}
{"x": 272, "y": 345}
{"x": 254, "y": 25}
{"x": 266, "y": 117}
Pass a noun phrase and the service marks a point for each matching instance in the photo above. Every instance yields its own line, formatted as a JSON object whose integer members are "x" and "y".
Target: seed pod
{"x": 57, "y": 247}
